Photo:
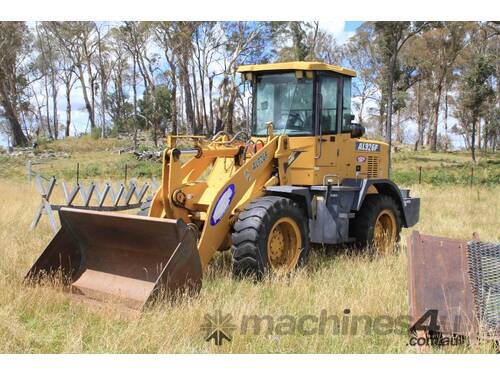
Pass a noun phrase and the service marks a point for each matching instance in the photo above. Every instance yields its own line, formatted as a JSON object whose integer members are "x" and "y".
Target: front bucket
{"x": 114, "y": 257}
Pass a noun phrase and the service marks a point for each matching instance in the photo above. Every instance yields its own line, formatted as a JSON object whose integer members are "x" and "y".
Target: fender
{"x": 300, "y": 193}
{"x": 409, "y": 207}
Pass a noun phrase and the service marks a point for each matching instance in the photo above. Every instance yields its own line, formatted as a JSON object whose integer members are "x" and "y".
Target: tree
{"x": 13, "y": 47}
{"x": 391, "y": 37}
{"x": 476, "y": 92}
{"x": 302, "y": 41}
{"x": 244, "y": 44}
{"x": 207, "y": 41}
{"x": 77, "y": 41}
{"x": 325, "y": 48}
{"x": 443, "y": 43}
{"x": 68, "y": 78}
{"x": 360, "y": 55}
{"x": 159, "y": 113}
{"x": 104, "y": 66}
{"x": 137, "y": 39}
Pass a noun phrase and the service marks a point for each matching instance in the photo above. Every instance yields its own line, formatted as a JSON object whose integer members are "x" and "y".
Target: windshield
{"x": 284, "y": 100}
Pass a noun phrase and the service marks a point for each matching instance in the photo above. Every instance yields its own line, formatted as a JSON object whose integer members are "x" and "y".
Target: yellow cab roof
{"x": 296, "y": 65}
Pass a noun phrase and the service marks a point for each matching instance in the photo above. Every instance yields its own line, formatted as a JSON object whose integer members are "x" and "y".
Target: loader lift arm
{"x": 228, "y": 187}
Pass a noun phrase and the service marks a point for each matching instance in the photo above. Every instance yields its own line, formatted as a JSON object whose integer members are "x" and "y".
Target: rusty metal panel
{"x": 439, "y": 280}
{"x": 129, "y": 259}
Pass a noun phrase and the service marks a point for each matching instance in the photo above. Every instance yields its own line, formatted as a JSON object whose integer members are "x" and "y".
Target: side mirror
{"x": 357, "y": 131}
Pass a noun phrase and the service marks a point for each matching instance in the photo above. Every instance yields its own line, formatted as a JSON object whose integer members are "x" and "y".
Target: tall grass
{"x": 46, "y": 320}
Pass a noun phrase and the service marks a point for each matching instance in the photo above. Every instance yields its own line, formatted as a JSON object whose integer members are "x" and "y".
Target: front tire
{"x": 270, "y": 235}
{"x": 377, "y": 225}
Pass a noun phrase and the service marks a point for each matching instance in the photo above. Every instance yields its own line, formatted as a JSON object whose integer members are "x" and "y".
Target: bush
{"x": 91, "y": 170}
{"x": 96, "y": 133}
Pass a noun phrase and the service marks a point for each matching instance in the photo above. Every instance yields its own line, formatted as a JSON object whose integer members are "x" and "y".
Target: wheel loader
{"x": 302, "y": 175}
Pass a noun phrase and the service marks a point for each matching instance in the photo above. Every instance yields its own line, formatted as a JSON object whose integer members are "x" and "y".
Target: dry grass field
{"x": 45, "y": 320}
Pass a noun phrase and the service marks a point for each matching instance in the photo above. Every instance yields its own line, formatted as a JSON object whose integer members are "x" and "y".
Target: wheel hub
{"x": 384, "y": 234}
{"x": 284, "y": 244}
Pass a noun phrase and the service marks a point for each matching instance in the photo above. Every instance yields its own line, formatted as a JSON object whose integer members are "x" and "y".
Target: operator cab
{"x": 310, "y": 102}
{"x": 300, "y": 98}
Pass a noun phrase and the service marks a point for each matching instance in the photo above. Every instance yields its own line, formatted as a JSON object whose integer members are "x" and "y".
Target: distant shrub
{"x": 91, "y": 170}
{"x": 96, "y": 133}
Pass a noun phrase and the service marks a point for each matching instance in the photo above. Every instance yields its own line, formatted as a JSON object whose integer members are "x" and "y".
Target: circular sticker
{"x": 222, "y": 205}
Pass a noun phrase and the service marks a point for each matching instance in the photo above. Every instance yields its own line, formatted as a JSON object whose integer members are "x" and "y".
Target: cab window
{"x": 286, "y": 101}
{"x": 328, "y": 118}
{"x": 346, "y": 106}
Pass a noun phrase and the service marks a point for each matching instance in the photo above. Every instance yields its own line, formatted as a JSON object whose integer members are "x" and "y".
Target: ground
{"x": 334, "y": 283}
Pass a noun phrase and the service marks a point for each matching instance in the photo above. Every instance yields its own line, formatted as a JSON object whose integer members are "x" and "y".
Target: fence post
{"x": 77, "y": 173}
{"x": 420, "y": 174}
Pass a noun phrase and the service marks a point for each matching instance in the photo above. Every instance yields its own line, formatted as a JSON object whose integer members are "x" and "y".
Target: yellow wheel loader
{"x": 302, "y": 176}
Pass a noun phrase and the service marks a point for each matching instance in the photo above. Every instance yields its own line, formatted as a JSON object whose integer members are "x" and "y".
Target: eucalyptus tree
{"x": 77, "y": 40}
{"x": 244, "y": 44}
{"x": 14, "y": 48}
{"x": 443, "y": 43}
{"x": 391, "y": 37}
{"x": 359, "y": 54}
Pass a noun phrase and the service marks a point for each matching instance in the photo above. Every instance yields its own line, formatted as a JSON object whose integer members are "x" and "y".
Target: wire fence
{"x": 464, "y": 176}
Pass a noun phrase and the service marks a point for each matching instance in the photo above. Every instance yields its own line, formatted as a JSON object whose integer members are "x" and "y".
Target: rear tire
{"x": 270, "y": 235}
{"x": 377, "y": 225}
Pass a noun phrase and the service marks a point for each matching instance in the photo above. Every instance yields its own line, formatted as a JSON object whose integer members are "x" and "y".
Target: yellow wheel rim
{"x": 284, "y": 244}
{"x": 384, "y": 234}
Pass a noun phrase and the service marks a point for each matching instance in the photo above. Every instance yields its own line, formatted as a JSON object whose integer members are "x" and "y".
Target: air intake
{"x": 373, "y": 166}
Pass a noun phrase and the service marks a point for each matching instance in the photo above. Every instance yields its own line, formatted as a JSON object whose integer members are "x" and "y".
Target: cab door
{"x": 329, "y": 88}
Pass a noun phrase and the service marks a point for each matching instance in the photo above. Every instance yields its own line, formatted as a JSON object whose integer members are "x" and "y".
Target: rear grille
{"x": 484, "y": 271}
{"x": 373, "y": 166}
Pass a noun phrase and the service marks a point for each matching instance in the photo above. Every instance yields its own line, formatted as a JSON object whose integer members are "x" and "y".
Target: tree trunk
{"x": 104, "y": 84}
{"x": 390, "y": 84}
{"x": 88, "y": 106}
{"x": 478, "y": 126}
{"x": 196, "y": 102}
{"x": 446, "y": 145}
{"x": 210, "y": 89}
{"x": 230, "y": 109}
{"x": 381, "y": 117}
{"x": 92, "y": 86}
{"x": 435, "y": 117}
{"x": 203, "y": 104}
{"x": 55, "y": 122}
{"x": 19, "y": 139}
{"x": 361, "y": 108}
{"x": 188, "y": 98}
{"x": 473, "y": 140}
{"x": 420, "y": 124}
{"x": 134, "y": 88}
{"x": 486, "y": 134}
{"x": 173, "y": 93}
{"x": 399, "y": 135}
{"x": 47, "y": 111}
{"x": 68, "y": 107}
{"x": 174, "y": 104}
